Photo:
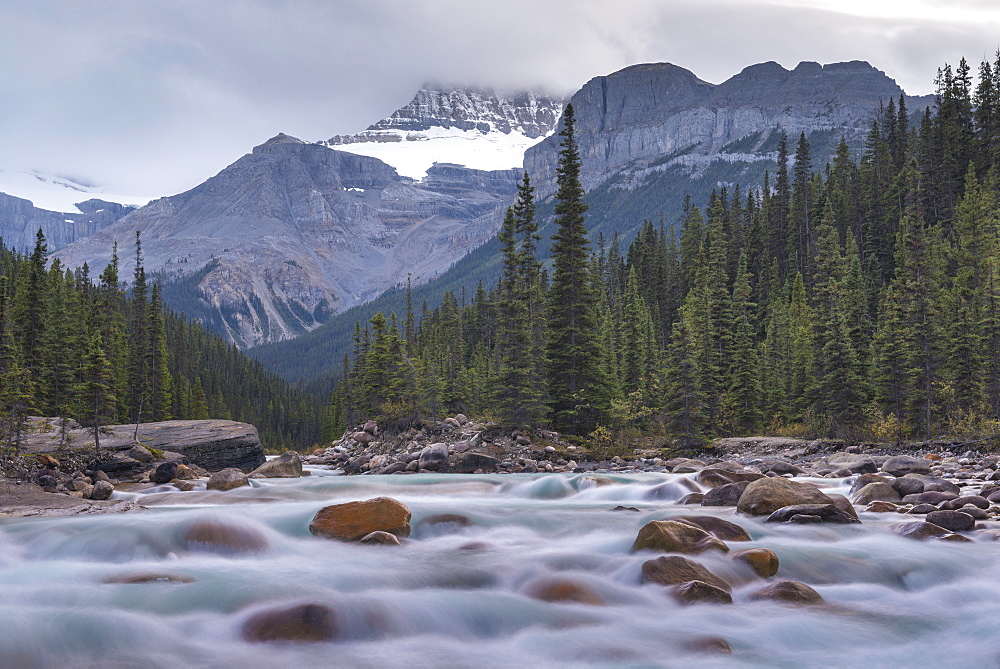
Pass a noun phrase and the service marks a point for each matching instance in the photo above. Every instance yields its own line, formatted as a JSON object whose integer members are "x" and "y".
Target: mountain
{"x": 292, "y": 233}
{"x": 647, "y": 119}
{"x": 649, "y": 135}
{"x": 20, "y": 221}
{"x": 475, "y": 127}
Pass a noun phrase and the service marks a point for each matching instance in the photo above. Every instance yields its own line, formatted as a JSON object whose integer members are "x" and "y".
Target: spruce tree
{"x": 578, "y": 386}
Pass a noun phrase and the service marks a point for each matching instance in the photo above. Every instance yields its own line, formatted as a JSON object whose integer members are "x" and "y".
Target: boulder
{"x": 674, "y": 570}
{"x": 765, "y": 496}
{"x": 164, "y": 472}
{"x": 670, "y": 536}
{"x": 956, "y": 521}
{"x": 719, "y": 527}
{"x": 901, "y": 465}
{"x": 696, "y": 592}
{"x": 959, "y": 502}
{"x": 353, "y": 520}
{"x": 826, "y": 513}
{"x": 102, "y": 490}
{"x": 882, "y": 507}
{"x": 761, "y": 560}
{"x": 793, "y": 592}
{"x": 185, "y": 473}
{"x": 227, "y": 479}
{"x": 363, "y": 437}
{"x": 305, "y": 622}
{"x": 563, "y": 590}
{"x": 694, "y": 498}
{"x": 467, "y": 463}
{"x": 219, "y": 537}
{"x": 907, "y": 485}
{"x": 855, "y": 462}
{"x": 862, "y": 480}
{"x": 875, "y": 492}
{"x": 785, "y": 469}
{"x": 713, "y": 477}
{"x": 434, "y": 457}
{"x": 725, "y": 495}
{"x": 921, "y": 531}
{"x": 288, "y": 465}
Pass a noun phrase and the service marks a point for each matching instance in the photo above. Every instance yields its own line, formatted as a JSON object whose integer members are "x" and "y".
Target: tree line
{"x": 859, "y": 299}
{"x": 107, "y": 352}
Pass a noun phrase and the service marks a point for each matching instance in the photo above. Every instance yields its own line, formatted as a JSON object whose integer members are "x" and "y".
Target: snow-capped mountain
{"x": 478, "y": 128}
{"x": 60, "y": 194}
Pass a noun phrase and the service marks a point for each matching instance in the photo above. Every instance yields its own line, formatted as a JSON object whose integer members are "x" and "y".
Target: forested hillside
{"x": 109, "y": 353}
{"x": 857, "y": 299}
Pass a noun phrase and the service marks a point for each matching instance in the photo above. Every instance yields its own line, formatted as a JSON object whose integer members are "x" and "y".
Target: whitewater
{"x": 136, "y": 590}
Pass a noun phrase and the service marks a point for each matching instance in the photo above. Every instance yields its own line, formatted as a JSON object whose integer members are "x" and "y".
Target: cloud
{"x": 156, "y": 96}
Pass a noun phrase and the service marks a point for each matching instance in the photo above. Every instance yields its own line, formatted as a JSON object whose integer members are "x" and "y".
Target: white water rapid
{"x": 461, "y": 596}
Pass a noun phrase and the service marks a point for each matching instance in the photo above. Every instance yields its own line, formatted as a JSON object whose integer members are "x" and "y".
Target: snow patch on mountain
{"x": 474, "y": 127}
{"x": 413, "y": 153}
{"x": 61, "y": 194}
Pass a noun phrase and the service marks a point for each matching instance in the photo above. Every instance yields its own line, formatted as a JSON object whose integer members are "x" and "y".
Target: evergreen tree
{"x": 578, "y": 387}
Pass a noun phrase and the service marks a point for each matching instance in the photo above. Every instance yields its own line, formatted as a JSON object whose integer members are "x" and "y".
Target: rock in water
{"x": 956, "y": 521}
{"x": 380, "y": 537}
{"x": 219, "y": 537}
{"x": 725, "y": 495}
{"x": 761, "y": 560}
{"x": 227, "y": 479}
{"x": 670, "y": 536}
{"x": 285, "y": 466}
{"x": 765, "y": 496}
{"x": 901, "y": 465}
{"x": 306, "y": 622}
{"x": 876, "y": 492}
{"x": 826, "y": 513}
{"x": 719, "y": 527}
{"x": 793, "y": 592}
{"x": 674, "y": 570}
{"x": 353, "y": 520}
{"x": 694, "y": 592}
{"x": 564, "y": 590}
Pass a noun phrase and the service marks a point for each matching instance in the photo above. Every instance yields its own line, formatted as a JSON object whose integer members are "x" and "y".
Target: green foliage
{"x": 102, "y": 356}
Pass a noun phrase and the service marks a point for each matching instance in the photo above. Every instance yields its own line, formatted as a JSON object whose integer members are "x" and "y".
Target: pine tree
{"x": 578, "y": 387}
{"x": 97, "y": 386}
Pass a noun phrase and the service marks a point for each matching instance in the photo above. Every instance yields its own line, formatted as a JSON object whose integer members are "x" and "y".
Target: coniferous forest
{"x": 104, "y": 352}
{"x": 858, "y": 299}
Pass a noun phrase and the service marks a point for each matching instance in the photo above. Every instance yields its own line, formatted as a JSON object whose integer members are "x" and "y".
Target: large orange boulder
{"x": 353, "y": 520}
{"x": 670, "y": 536}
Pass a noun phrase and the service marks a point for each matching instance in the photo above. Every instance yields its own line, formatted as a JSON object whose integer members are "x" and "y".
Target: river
{"x": 461, "y": 596}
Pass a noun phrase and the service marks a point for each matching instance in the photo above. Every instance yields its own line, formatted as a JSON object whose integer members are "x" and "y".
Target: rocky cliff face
{"x": 294, "y": 232}
{"x": 20, "y": 221}
{"x": 651, "y": 117}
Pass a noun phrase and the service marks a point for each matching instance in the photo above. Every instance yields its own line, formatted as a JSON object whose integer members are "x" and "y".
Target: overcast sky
{"x": 154, "y": 96}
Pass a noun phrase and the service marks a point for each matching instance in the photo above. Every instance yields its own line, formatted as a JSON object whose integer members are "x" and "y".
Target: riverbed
{"x": 141, "y": 590}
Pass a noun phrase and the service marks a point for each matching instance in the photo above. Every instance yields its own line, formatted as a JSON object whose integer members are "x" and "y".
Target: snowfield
{"x": 59, "y": 193}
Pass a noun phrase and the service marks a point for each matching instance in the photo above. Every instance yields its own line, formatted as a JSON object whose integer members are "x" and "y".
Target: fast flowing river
{"x": 139, "y": 590}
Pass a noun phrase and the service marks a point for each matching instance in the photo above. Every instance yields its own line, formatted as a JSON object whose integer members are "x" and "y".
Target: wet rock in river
{"x": 671, "y": 536}
{"x": 882, "y": 507}
{"x": 761, "y": 560}
{"x": 699, "y": 592}
{"x": 725, "y": 495}
{"x": 380, "y": 537}
{"x": 826, "y": 513}
{"x": 793, "y": 592}
{"x": 674, "y": 570}
{"x": 227, "y": 479}
{"x": 692, "y": 498}
{"x": 959, "y": 502}
{"x": 719, "y": 527}
{"x": 862, "y": 480}
{"x": 921, "y": 531}
{"x": 901, "y": 465}
{"x": 875, "y": 492}
{"x": 956, "y": 521}
{"x": 305, "y": 622}
{"x": 147, "y": 577}
{"x": 353, "y": 520}
{"x": 856, "y": 463}
{"x": 219, "y": 537}
{"x": 709, "y": 644}
{"x": 907, "y": 485}
{"x": 288, "y": 465}
{"x": 563, "y": 590}
{"x": 767, "y": 495}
